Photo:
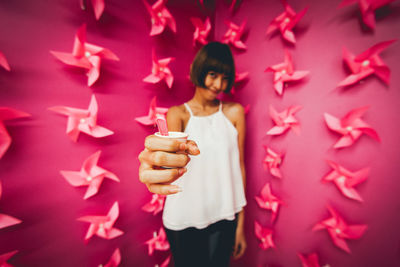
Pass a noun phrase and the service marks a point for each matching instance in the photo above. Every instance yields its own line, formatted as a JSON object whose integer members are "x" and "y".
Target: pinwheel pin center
{"x": 287, "y": 20}
{"x": 349, "y": 128}
{"x": 338, "y": 231}
{"x": 89, "y": 178}
{"x": 82, "y": 120}
{"x": 87, "y": 54}
{"x": 154, "y": 234}
{"x": 267, "y": 204}
{"x": 365, "y": 63}
{"x": 234, "y": 33}
{"x": 153, "y": 21}
{"x": 283, "y": 71}
{"x": 159, "y": 14}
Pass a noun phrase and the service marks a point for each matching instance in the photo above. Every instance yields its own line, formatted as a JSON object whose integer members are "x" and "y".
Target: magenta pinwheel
{"x": 154, "y": 111}
{"x": 160, "y": 17}
{"x": 157, "y": 242}
{"x": 284, "y": 120}
{"x": 264, "y": 235}
{"x": 160, "y": 71}
{"x": 202, "y": 30}
{"x": 4, "y": 62}
{"x": 268, "y": 201}
{"x": 272, "y": 162}
{"x": 155, "y": 205}
{"x": 234, "y": 34}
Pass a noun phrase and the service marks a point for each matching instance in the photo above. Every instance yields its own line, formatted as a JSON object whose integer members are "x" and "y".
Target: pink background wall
{"x": 35, "y": 192}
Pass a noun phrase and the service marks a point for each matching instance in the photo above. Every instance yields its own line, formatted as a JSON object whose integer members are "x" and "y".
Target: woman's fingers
{"x": 165, "y": 176}
{"x": 155, "y": 143}
{"x": 163, "y": 189}
{"x": 191, "y": 148}
{"x": 161, "y": 158}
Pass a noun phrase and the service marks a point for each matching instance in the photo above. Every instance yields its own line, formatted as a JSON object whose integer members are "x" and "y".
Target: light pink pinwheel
{"x": 8, "y": 114}
{"x": 6, "y": 220}
{"x": 345, "y": 180}
{"x": 310, "y": 260}
{"x": 86, "y": 55}
{"x": 3, "y": 62}
{"x": 154, "y": 111}
{"x": 339, "y": 230}
{"x": 268, "y": 201}
{"x": 115, "y": 259}
{"x": 284, "y": 73}
{"x": 98, "y": 7}
{"x": 234, "y": 34}
{"x": 284, "y": 120}
{"x": 272, "y": 161}
{"x": 367, "y": 8}
{"x": 366, "y": 64}
{"x": 264, "y": 235}
{"x": 103, "y": 226}
{"x": 160, "y": 71}
{"x": 90, "y": 175}
{"x": 82, "y": 120}
{"x": 351, "y": 127}
{"x": 155, "y": 205}
{"x": 239, "y": 77}
{"x": 158, "y": 241}
{"x": 160, "y": 17}
{"x": 5, "y": 257}
{"x": 202, "y": 30}
{"x": 286, "y": 21}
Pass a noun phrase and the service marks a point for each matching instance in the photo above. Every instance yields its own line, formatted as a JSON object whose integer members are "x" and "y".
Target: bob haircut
{"x": 214, "y": 56}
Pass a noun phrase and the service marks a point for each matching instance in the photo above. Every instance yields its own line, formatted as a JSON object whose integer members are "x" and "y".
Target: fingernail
{"x": 175, "y": 190}
{"x": 182, "y": 146}
{"x": 182, "y": 171}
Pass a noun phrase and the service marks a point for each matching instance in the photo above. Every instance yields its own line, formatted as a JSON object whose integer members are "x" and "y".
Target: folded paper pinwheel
{"x": 158, "y": 241}
{"x": 160, "y": 17}
{"x": 154, "y": 111}
{"x": 268, "y": 201}
{"x": 155, "y": 205}
{"x": 286, "y": 21}
{"x": 86, "y": 55}
{"x": 8, "y": 114}
{"x": 367, "y": 8}
{"x": 115, "y": 259}
{"x": 98, "y": 7}
{"x": 284, "y": 72}
{"x": 264, "y": 235}
{"x": 351, "y": 127}
{"x": 345, "y": 180}
{"x": 90, "y": 175}
{"x": 103, "y": 226}
{"x": 234, "y": 34}
{"x": 160, "y": 71}
{"x": 366, "y": 64}
{"x": 202, "y": 30}
{"x": 284, "y": 120}
{"x": 339, "y": 230}
{"x": 82, "y": 120}
{"x": 3, "y": 62}
{"x": 5, "y": 257}
{"x": 272, "y": 162}
{"x": 6, "y": 221}
{"x": 310, "y": 260}
{"x": 239, "y": 77}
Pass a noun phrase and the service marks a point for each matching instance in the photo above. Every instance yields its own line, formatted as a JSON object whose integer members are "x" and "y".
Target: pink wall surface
{"x": 35, "y": 192}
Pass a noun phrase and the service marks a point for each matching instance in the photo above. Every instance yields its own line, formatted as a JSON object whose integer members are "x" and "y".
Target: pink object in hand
{"x": 162, "y": 125}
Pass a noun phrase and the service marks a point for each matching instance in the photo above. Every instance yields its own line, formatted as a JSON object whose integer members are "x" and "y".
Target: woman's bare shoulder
{"x": 233, "y": 108}
{"x": 178, "y": 111}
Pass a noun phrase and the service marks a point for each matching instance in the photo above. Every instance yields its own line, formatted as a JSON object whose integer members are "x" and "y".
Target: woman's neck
{"x": 203, "y": 103}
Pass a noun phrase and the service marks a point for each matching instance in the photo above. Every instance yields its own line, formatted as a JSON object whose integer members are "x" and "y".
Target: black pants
{"x": 209, "y": 247}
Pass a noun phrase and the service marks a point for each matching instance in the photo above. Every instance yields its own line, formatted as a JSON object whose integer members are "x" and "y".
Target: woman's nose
{"x": 218, "y": 83}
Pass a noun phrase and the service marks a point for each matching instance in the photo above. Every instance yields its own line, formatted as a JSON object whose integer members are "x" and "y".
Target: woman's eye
{"x": 212, "y": 74}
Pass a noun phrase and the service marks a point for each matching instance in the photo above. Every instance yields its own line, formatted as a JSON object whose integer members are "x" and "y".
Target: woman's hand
{"x": 162, "y": 152}
{"x": 240, "y": 243}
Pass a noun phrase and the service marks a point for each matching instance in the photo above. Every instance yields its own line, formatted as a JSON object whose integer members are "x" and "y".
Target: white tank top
{"x": 212, "y": 186}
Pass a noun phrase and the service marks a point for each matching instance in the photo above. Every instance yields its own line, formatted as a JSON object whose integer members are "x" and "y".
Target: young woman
{"x": 203, "y": 213}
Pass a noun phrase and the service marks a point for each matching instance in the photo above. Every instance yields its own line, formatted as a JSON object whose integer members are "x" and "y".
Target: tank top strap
{"x": 188, "y": 109}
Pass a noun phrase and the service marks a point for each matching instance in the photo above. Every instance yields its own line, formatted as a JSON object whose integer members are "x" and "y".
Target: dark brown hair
{"x": 216, "y": 57}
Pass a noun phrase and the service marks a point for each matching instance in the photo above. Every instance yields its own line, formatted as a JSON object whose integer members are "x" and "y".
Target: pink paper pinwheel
{"x": 268, "y": 201}
{"x": 5, "y": 220}
{"x": 8, "y": 114}
{"x": 102, "y": 226}
{"x": 239, "y": 77}
{"x": 234, "y": 34}
{"x": 5, "y": 257}
{"x": 201, "y": 30}
{"x": 272, "y": 161}
{"x": 285, "y": 22}
{"x": 158, "y": 242}
{"x": 284, "y": 72}
{"x": 115, "y": 259}
{"x": 351, "y": 127}
{"x": 366, "y": 64}
{"x": 339, "y": 230}
{"x": 160, "y": 17}
{"x": 98, "y": 7}
{"x": 310, "y": 260}
{"x": 85, "y": 55}
{"x": 345, "y": 180}
{"x": 3, "y": 62}
{"x": 90, "y": 175}
{"x": 284, "y": 120}
{"x": 160, "y": 71}
{"x": 264, "y": 235}
{"x": 166, "y": 262}
{"x": 155, "y": 205}
{"x": 150, "y": 119}
{"x": 367, "y": 8}
{"x": 82, "y": 120}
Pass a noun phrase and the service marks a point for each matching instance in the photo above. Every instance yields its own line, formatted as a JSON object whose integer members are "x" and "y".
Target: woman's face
{"x": 215, "y": 83}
